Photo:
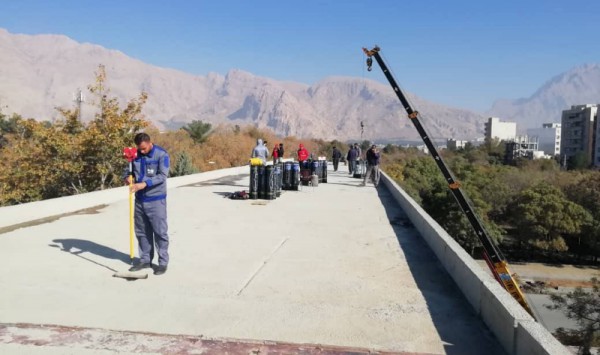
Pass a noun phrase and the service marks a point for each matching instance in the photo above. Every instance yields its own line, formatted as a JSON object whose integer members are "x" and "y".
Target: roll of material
{"x": 269, "y": 183}
{"x": 261, "y": 182}
{"x": 295, "y": 178}
{"x": 253, "y": 189}
{"x": 287, "y": 175}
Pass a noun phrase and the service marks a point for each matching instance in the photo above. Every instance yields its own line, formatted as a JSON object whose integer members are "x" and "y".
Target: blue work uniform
{"x": 151, "y": 204}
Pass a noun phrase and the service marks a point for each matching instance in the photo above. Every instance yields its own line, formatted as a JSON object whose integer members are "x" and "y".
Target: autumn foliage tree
{"x": 40, "y": 161}
{"x": 105, "y": 136}
{"x": 45, "y": 160}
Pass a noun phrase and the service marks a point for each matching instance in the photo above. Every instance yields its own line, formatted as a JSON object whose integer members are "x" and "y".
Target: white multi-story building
{"x": 522, "y": 147}
{"x": 581, "y": 133}
{"x": 496, "y": 129}
{"x": 454, "y": 144}
{"x": 548, "y": 138}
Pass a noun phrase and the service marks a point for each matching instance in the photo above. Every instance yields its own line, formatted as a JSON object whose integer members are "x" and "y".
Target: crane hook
{"x": 369, "y": 63}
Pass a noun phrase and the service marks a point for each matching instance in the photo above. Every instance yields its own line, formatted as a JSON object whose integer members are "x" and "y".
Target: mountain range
{"x": 41, "y": 72}
{"x": 578, "y": 86}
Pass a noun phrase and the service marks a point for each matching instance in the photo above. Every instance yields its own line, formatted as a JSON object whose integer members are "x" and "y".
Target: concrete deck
{"x": 337, "y": 268}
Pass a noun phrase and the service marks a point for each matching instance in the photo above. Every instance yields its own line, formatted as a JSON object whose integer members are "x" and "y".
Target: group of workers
{"x": 261, "y": 151}
{"x": 147, "y": 178}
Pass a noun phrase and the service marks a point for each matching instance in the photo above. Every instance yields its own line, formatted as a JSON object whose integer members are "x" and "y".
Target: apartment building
{"x": 579, "y": 126}
{"x": 501, "y": 130}
{"x": 548, "y": 138}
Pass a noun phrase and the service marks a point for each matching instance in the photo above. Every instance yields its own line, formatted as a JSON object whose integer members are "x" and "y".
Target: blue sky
{"x": 459, "y": 53}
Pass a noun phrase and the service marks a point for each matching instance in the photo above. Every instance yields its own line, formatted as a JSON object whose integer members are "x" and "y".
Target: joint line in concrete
{"x": 261, "y": 266}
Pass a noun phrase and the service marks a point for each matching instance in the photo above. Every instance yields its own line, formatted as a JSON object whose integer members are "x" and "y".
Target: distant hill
{"x": 578, "y": 86}
{"x": 44, "y": 71}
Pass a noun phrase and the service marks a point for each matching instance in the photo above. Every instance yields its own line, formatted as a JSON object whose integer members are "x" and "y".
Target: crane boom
{"x": 492, "y": 255}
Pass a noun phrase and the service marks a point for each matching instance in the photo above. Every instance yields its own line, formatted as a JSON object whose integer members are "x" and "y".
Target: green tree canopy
{"x": 579, "y": 161}
{"x": 198, "y": 130}
{"x": 543, "y": 215}
{"x": 586, "y": 192}
{"x": 183, "y": 165}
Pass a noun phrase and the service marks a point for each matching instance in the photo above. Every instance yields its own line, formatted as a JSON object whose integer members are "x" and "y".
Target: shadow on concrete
{"x": 78, "y": 247}
{"x": 457, "y": 324}
{"x": 357, "y": 184}
{"x": 223, "y": 193}
{"x": 231, "y": 180}
{"x": 558, "y": 266}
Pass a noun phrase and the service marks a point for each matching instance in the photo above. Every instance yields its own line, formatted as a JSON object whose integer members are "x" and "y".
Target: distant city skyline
{"x": 463, "y": 54}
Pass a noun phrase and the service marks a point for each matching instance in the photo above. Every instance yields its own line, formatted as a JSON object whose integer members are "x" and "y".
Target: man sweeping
{"x": 150, "y": 172}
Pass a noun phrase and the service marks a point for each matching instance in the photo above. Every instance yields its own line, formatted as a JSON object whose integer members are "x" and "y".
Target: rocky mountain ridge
{"x": 41, "y": 72}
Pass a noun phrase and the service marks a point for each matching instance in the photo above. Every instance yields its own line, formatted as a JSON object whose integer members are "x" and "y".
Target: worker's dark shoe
{"x": 160, "y": 269}
{"x": 140, "y": 266}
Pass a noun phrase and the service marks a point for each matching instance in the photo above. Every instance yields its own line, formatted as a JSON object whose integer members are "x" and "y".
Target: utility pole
{"x": 362, "y": 130}
{"x": 79, "y": 99}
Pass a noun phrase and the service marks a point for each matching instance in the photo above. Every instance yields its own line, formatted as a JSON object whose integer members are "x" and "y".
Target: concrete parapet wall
{"x": 14, "y": 215}
{"x": 514, "y": 328}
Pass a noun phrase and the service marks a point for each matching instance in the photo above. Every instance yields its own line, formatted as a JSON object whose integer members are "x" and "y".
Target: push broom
{"x": 130, "y": 154}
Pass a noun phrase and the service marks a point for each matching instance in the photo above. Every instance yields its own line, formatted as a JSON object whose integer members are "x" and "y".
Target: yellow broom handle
{"x": 130, "y": 218}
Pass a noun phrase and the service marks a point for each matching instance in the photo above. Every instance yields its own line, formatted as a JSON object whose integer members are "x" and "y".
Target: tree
{"x": 326, "y": 148}
{"x": 41, "y": 163}
{"x": 365, "y": 145}
{"x": 47, "y": 160}
{"x": 542, "y": 215}
{"x": 585, "y": 191}
{"x": 390, "y": 149}
{"x": 579, "y": 161}
{"x": 583, "y": 307}
{"x": 183, "y": 165}
{"x": 7, "y": 126}
{"x": 198, "y": 130}
{"x": 107, "y": 134}
{"x": 421, "y": 177}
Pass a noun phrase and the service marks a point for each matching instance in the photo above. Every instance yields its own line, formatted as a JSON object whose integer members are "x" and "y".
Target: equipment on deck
{"x": 287, "y": 175}
{"x": 492, "y": 255}
{"x": 295, "y": 176}
{"x": 359, "y": 169}
{"x": 130, "y": 154}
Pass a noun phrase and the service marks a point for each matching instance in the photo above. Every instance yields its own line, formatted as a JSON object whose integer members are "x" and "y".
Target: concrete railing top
{"x": 23, "y": 213}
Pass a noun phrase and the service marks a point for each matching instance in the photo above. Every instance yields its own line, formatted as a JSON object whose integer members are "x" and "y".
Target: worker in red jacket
{"x": 302, "y": 153}
{"x": 275, "y": 154}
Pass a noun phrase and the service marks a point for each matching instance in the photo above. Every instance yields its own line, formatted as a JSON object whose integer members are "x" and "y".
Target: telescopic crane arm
{"x": 493, "y": 257}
